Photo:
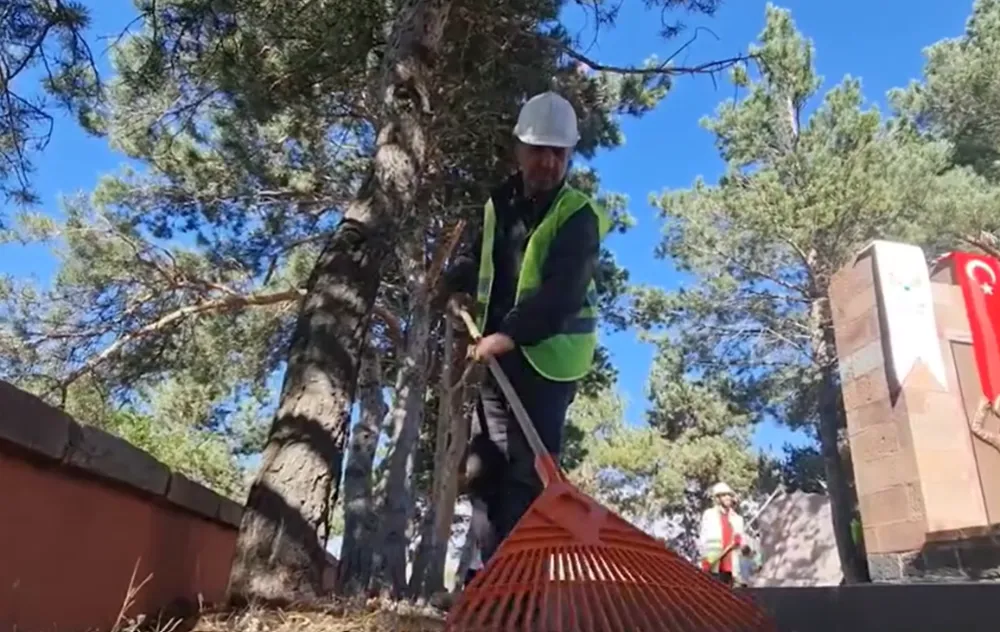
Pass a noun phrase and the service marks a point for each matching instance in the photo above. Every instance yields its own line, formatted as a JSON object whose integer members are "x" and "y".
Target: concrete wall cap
{"x": 29, "y": 423}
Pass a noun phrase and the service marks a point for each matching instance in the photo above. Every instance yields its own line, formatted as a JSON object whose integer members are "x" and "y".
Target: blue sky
{"x": 879, "y": 41}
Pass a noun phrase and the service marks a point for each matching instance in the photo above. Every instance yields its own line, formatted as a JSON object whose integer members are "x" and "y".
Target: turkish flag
{"x": 978, "y": 277}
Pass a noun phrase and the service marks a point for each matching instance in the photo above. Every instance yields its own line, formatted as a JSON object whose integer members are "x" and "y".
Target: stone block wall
{"x": 919, "y": 483}
{"x": 81, "y": 511}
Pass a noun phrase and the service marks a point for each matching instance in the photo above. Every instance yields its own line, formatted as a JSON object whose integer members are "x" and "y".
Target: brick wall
{"x": 885, "y": 464}
{"x": 925, "y": 484}
{"x": 81, "y": 510}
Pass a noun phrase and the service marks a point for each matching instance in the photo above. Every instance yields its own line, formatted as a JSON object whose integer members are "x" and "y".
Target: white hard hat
{"x": 721, "y": 488}
{"x": 548, "y": 120}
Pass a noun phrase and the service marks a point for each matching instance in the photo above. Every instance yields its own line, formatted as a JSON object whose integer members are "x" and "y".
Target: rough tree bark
{"x": 830, "y": 422}
{"x": 427, "y": 577}
{"x": 361, "y": 518}
{"x": 279, "y": 557}
{"x": 421, "y": 557}
{"x": 360, "y": 522}
{"x": 395, "y": 505}
{"x": 455, "y": 445}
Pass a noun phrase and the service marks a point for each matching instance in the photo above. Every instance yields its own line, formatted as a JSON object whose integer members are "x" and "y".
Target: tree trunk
{"x": 278, "y": 553}
{"x": 830, "y": 421}
{"x": 279, "y": 557}
{"x": 360, "y": 522}
{"x": 396, "y": 489}
{"x": 452, "y": 435}
{"x": 421, "y": 559}
{"x": 457, "y": 441}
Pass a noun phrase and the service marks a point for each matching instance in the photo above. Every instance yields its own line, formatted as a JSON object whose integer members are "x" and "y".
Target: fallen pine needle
{"x": 332, "y": 618}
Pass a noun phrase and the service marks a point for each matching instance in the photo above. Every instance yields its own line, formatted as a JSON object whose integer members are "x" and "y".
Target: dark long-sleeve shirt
{"x": 566, "y": 272}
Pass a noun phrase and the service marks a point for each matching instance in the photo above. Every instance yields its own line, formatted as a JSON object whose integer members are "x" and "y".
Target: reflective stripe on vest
{"x": 568, "y": 355}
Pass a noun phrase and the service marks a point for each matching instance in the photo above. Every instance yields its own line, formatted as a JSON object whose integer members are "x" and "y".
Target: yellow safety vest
{"x": 568, "y": 355}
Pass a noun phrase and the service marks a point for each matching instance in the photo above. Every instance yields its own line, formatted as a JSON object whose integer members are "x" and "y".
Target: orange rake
{"x": 572, "y": 565}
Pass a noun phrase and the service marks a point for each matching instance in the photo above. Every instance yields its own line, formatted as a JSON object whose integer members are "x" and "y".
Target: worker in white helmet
{"x": 722, "y": 536}
{"x": 531, "y": 270}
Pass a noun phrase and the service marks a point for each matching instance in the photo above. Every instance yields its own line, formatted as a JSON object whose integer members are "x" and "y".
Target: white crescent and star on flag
{"x": 986, "y": 283}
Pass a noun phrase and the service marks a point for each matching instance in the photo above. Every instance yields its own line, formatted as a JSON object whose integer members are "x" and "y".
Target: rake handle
{"x": 548, "y": 471}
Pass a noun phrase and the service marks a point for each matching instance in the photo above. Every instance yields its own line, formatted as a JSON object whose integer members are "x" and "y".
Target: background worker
{"x": 722, "y": 531}
{"x": 471, "y": 558}
{"x": 531, "y": 270}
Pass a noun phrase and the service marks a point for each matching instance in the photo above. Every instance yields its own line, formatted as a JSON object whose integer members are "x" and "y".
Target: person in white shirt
{"x": 722, "y": 536}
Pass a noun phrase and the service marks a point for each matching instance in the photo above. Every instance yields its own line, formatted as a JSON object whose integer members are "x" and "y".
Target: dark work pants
{"x": 500, "y": 467}
{"x": 725, "y": 577}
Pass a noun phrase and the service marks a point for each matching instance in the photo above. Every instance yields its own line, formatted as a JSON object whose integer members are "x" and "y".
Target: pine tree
{"x": 957, "y": 102}
{"x": 46, "y": 37}
{"x": 799, "y": 197}
{"x": 262, "y": 144}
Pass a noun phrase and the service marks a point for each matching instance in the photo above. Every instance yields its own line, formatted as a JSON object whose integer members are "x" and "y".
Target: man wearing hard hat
{"x": 531, "y": 270}
{"x": 722, "y": 535}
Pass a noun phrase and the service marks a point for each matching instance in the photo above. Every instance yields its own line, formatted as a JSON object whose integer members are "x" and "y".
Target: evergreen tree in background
{"x": 957, "y": 103}
{"x": 800, "y": 196}
{"x": 39, "y": 40}
{"x": 302, "y": 166}
{"x": 180, "y": 281}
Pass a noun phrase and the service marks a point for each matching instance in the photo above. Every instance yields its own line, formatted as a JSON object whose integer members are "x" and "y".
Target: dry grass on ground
{"x": 331, "y": 620}
{"x": 375, "y": 615}
{"x": 314, "y": 618}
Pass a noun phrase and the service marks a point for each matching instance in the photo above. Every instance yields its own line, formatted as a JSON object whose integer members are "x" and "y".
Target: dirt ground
{"x": 328, "y": 619}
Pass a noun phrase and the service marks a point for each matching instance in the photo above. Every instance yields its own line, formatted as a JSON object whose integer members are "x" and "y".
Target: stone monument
{"x": 922, "y": 436}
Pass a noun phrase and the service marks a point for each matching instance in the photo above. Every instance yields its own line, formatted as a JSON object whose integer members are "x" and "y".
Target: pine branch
{"x": 442, "y": 254}
{"x": 225, "y": 304}
{"x": 666, "y": 67}
{"x": 392, "y": 323}
{"x": 985, "y": 241}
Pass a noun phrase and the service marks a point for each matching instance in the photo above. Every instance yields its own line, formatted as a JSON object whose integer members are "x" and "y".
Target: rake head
{"x": 571, "y": 565}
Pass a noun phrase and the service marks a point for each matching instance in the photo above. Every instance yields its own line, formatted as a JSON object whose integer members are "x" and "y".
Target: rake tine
{"x": 571, "y": 562}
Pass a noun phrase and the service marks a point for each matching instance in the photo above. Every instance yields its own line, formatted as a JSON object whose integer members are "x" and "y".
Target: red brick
{"x": 915, "y": 501}
{"x": 905, "y": 535}
{"x": 875, "y": 442}
{"x": 853, "y": 305}
{"x": 871, "y": 414}
{"x": 851, "y": 281}
{"x": 865, "y": 389}
{"x": 888, "y": 471}
{"x": 871, "y": 540}
{"x": 885, "y": 506}
{"x": 854, "y": 333}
